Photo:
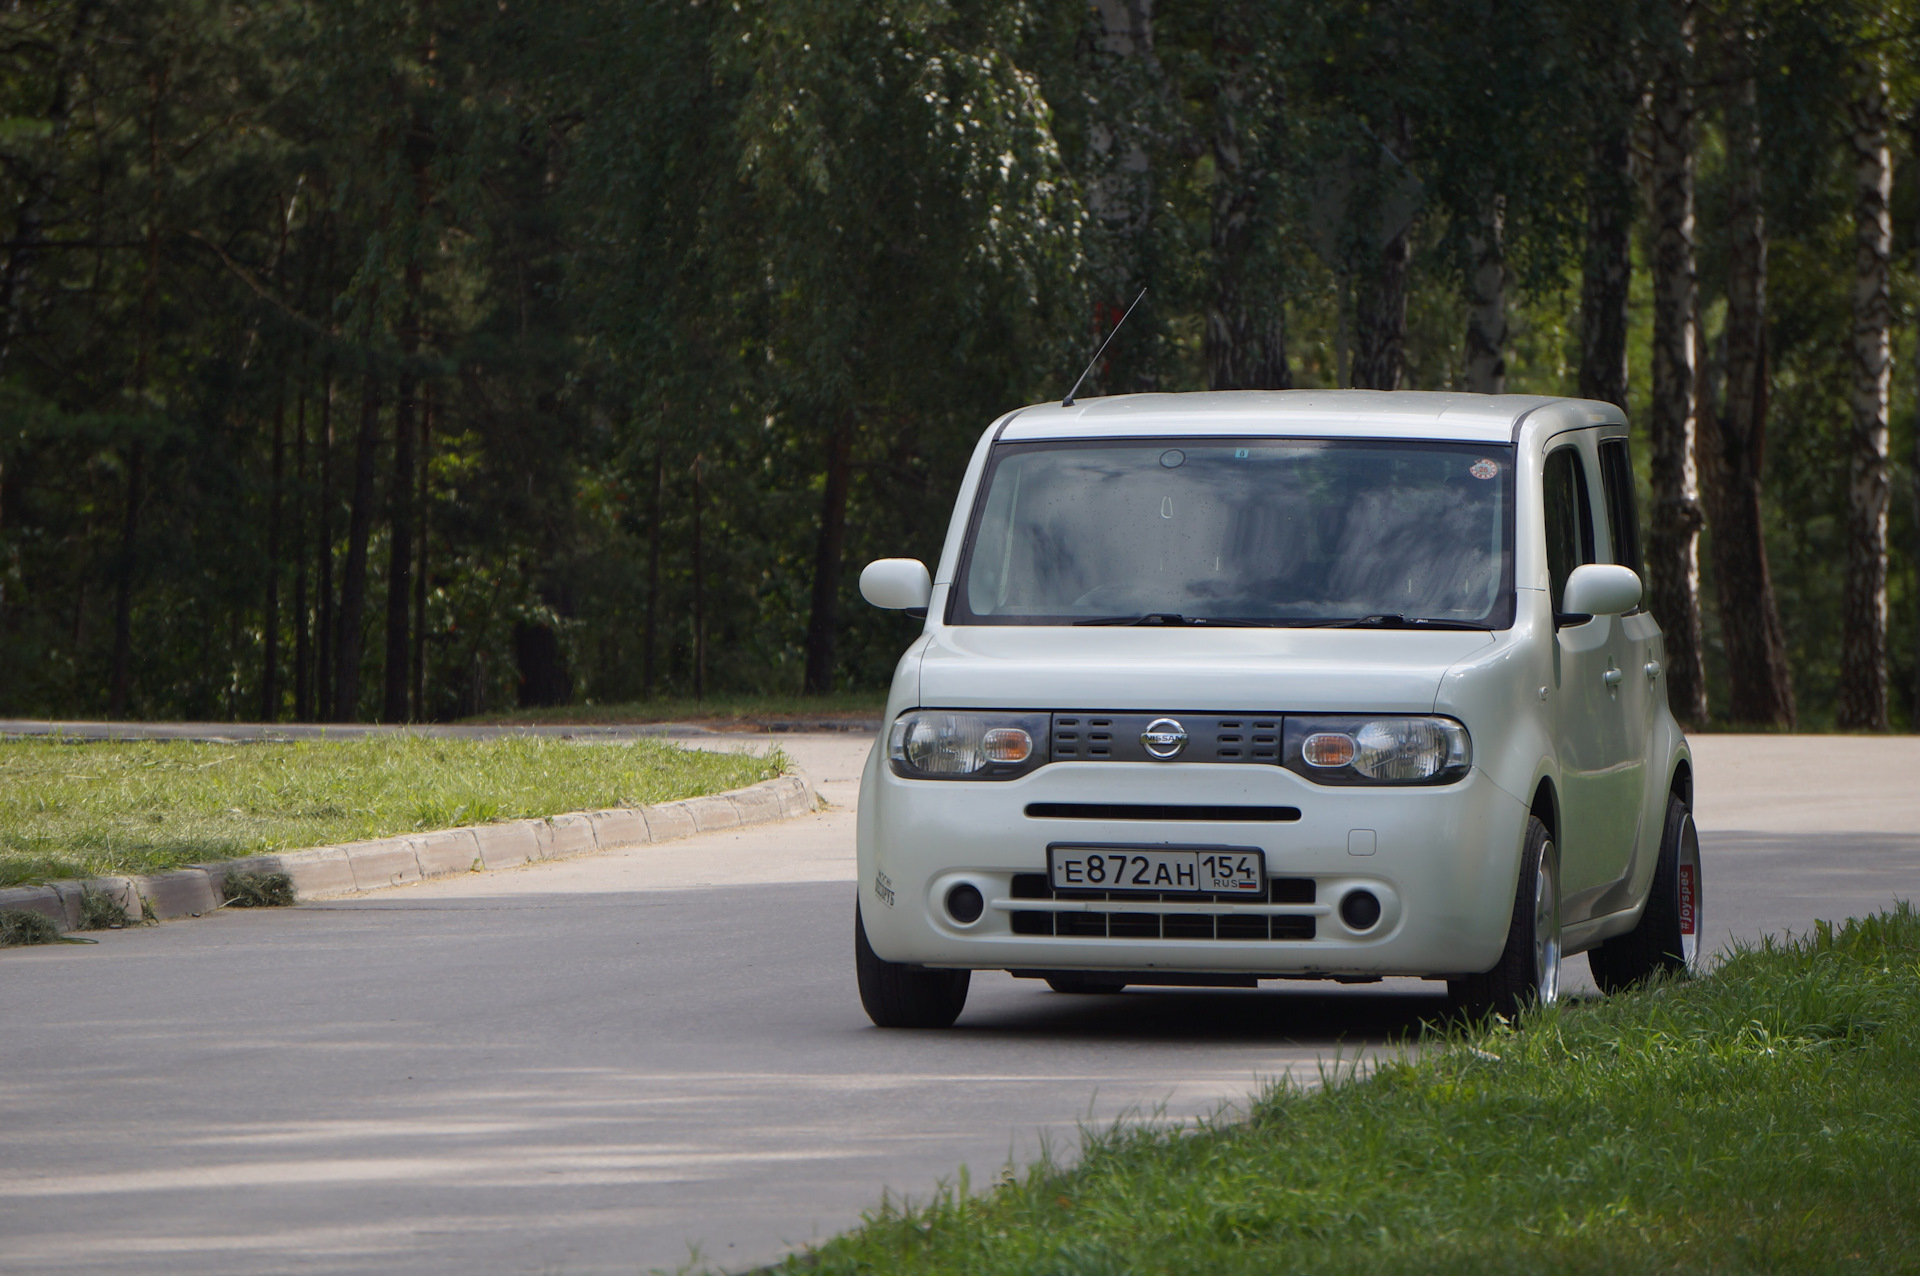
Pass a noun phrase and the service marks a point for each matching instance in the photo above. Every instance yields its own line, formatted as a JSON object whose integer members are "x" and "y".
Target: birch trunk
{"x": 1487, "y": 302}
{"x": 1863, "y": 641}
{"x": 1673, "y": 546}
{"x": 1732, "y": 443}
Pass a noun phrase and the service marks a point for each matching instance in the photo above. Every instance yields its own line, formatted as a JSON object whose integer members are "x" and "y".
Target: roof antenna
{"x": 1068, "y": 401}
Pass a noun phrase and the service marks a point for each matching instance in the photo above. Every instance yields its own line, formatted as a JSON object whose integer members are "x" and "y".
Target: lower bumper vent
{"x": 1148, "y": 924}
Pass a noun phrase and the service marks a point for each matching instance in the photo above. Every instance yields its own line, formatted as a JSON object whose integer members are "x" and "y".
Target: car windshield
{"x": 1255, "y": 531}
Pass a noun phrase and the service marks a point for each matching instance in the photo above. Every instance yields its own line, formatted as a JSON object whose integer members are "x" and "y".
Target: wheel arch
{"x": 1681, "y": 785}
{"x": 1546, "y": 807}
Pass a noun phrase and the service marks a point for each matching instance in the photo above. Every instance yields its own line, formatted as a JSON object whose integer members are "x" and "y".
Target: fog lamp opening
{"x": 964, "y": 903}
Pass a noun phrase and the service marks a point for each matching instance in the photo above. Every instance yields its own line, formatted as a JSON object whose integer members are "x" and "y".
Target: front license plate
{"x": 1205, "y": 871}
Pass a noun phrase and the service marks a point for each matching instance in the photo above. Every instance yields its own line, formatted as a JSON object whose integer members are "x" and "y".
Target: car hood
{"x": 1196, "y": 670}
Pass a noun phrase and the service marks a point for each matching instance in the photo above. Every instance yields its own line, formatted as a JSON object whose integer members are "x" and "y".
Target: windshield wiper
{"x": 1394, "y": 620}
{"x": 1175, "y": 618}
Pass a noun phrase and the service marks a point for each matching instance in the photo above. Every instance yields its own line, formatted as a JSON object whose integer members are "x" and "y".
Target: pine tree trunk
{"x": 120, "y": 677}
{"x": 1380, "y": 319}
{"x": 270, "y": 621}
{"x": 822, "y": 621}
{"x": 400, "y": 484}
{"x": 700, "y": 595}
{"x": 1487, "y": 304}
{"x": 423, "y": 510}
{"x": 1863, "y": 641}
{"x": 649, "y": 667}
{"x": 351, "y": 641}
{"x": 1246, "y": 335}
{"x": 302, "y": 640}
{"x": 1121, "y": 194}
{"x": 1732, "y": 445}
{"x": 30, "y": 223}
{"x": 120, "y": 680}
{"x": 327, "y": 621}
{"x": 1606, "y": 274}
{"x": 1673, "y": 546}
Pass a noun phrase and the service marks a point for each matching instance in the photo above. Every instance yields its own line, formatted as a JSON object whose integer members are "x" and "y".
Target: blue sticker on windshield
{"x": 1484, "y": 468}
{"x": 1239, "y": 454}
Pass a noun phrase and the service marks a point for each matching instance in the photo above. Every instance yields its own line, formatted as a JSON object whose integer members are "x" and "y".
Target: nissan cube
{"x": 1221, "y": 688}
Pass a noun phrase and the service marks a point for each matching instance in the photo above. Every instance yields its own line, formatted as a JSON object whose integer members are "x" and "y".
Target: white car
{"x": 1217, "y": 688}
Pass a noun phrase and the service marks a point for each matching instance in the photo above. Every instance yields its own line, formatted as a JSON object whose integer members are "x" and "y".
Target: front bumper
{"x": 1443, "y": 864}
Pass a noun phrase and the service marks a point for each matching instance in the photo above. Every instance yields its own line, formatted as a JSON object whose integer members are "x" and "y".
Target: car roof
{"x": 1386, "y": 414}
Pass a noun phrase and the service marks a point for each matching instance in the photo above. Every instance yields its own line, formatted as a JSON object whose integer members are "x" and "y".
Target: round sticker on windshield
{"x": 1484, "y": 468}
{"x": 1173, "y": 458}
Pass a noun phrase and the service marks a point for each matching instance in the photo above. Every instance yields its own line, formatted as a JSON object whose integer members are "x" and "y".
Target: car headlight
{"x": 938, "y": 744}
{"x": 1365, "y": 750}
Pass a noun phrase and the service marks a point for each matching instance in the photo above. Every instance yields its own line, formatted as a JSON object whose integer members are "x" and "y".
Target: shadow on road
{"x": 1272, "y": 1016}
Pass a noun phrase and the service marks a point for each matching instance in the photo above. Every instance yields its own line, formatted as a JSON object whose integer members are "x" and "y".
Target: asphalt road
{"x": 629, "y": 1061}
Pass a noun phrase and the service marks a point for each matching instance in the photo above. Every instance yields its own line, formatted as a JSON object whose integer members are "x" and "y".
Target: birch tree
{"x": 1863, "y": 652}
{"x": 1673, "y": 547}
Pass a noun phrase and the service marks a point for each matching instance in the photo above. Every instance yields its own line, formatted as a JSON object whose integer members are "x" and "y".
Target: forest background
{"x": 405, "y": 361}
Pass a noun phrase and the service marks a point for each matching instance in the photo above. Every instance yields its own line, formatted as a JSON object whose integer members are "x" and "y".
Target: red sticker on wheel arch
{"x": 1686, "y": 899}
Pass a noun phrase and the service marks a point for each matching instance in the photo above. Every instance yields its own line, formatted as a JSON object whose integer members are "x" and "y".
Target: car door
{"x": 1637, "y": 640}
{"x": 1589, "y": 722}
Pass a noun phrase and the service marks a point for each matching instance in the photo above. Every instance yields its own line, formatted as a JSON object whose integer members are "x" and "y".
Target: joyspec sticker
{"x": 1484, "y": 468}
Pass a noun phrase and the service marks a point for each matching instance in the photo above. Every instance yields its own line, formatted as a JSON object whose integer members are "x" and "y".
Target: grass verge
{"x": 1764, "y": 1119}
{"x": 722, "y": 710}
{"x": 87, "y": 810}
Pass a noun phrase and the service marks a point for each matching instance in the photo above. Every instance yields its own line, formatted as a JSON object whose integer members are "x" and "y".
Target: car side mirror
{"x": 1600, "y": 589}
{"x": 898, "y": 584}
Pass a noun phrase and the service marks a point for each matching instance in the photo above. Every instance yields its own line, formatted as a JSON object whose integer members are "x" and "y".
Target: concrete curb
{"x": 354, "y": 867}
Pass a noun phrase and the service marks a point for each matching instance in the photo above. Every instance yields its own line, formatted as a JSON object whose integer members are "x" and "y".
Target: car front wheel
{"x": 898, "y": 995}
{"x": 1529, "y": 967}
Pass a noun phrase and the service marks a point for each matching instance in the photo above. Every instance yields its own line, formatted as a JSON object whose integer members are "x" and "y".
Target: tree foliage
{"x": 416, "y": 358}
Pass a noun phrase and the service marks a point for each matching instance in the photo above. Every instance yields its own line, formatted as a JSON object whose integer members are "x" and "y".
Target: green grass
{"x": 1763, "y": 1119}
{"x": 722, "y": 710}
{"x": 85, "y": 810}
{"x": 19, "y": 929}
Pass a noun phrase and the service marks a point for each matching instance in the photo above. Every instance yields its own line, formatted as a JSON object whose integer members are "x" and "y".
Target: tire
{"x": 898, "y": 995}
{"x": 1667, "y": 936}
{"x": 1528, "y": 971}
{"x": 1083, "y": 984}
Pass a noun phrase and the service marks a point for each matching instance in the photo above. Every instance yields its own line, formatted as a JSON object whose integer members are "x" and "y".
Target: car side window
{"x": 1569, "y": 518}
{"x": 1616, "y": 480}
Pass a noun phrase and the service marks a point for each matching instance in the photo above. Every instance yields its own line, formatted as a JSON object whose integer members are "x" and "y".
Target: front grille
{"x": 1211, "y": 737}
{"x": 1148, "y": 924}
